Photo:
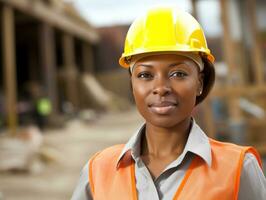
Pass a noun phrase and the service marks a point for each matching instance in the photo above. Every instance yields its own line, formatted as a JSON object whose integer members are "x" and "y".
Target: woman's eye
{"x": 179, "y": 74}
{"x": 144, "y": 75}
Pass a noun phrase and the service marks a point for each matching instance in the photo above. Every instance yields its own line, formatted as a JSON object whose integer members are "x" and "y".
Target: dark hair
{"x": 208, "y": 79}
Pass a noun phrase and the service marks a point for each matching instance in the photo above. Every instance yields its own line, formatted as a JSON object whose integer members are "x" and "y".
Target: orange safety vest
{"x": 218, "y": 181}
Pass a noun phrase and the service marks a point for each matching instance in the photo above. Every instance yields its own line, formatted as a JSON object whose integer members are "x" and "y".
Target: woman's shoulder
{"x": 112, "y": 149}
{"x": 227, "y": 145}
{"x": 231, "y": 149}
{"x": 108, "y": 153}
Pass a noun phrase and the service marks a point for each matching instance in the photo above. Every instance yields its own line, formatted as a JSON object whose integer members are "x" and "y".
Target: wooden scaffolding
{"x": 51, "y": 17}
{"x": 244, "y": 85}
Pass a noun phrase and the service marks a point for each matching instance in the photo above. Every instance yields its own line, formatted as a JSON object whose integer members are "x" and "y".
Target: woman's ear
{"x": 200, "y": 84}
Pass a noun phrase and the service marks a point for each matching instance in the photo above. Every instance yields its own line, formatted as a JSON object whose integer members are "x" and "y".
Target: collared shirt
{"x": 252, "y": 181}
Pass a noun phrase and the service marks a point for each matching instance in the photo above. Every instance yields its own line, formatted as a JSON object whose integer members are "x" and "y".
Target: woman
{"x": 170, "y": 157}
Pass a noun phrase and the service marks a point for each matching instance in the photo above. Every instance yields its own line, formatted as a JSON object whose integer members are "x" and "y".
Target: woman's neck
{"x": 161, "y": 142}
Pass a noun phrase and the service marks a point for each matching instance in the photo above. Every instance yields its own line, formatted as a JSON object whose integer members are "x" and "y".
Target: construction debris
{"x": 20, "y": 152}
{"x": 104, "y": 98}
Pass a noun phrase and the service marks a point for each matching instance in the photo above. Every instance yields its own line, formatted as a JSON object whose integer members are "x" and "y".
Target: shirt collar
{"x": 197, "y": 143}
{"x": 133, "y": 145}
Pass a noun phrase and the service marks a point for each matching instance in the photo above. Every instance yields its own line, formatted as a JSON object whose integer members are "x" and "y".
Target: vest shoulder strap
{"x": 109, "y": 180}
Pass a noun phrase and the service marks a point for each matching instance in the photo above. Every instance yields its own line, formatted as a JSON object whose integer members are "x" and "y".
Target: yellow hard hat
{"x": 164, "y": 29}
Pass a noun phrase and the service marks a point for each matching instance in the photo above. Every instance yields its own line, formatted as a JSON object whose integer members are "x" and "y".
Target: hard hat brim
{"x": 124, "y": 60}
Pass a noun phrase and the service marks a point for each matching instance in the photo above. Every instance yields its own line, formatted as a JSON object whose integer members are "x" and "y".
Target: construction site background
{"x": 64, "y": 97}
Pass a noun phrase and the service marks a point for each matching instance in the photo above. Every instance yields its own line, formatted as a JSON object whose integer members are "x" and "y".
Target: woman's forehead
{"x": 167, "y": 59}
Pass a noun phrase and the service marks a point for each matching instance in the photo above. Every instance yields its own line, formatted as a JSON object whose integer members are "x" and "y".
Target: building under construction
{"x": 45, "y": 47}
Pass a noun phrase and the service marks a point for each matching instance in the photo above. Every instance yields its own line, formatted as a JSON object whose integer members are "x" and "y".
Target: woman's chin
{"x": 163, "y": 122}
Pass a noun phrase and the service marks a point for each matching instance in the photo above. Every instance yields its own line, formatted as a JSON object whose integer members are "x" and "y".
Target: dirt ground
{"x": 72, "y": 146}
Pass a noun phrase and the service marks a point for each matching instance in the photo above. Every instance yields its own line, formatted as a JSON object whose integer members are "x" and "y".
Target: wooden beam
{"x": 194, "y": 8}
{"x": 47, "y": 50}
{"x": 9, "y": 66}
{"x": 68, "y": 50}
{"x": 236, "y": 91}
{"x": 257, "y": 61}
{"x": 229, "y": 47}
{"x": 208, "y": 118}
{"x": 87, "y": 58}
{"x": 70, "y": 69}
{"x": 234, "y": 77}
{"x": 55, "y": 18}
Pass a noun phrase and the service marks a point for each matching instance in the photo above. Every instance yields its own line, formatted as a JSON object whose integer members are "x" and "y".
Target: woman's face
{"x": 165, "y": 88}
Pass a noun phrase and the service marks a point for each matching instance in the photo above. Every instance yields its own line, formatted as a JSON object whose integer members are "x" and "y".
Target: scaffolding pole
{"x": 9, "y": 67}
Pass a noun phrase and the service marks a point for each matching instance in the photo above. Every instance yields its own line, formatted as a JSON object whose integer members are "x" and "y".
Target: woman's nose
{"x": 161, "y": 87}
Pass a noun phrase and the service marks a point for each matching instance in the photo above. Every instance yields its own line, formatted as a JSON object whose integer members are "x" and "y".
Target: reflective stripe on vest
{"x": 218, "y": 181}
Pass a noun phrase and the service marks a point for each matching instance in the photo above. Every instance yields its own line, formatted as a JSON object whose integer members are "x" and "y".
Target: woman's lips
{"x": 163, "y": 108}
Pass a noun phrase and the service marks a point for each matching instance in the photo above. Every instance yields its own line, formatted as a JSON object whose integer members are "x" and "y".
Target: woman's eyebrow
{"x": 176, "y": 64}
{"x": 151, "y": 66}
{"x": 143, "y": 65}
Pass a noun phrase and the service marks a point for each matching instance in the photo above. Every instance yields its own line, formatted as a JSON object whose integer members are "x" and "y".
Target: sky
{"x": 119, "y": 12}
